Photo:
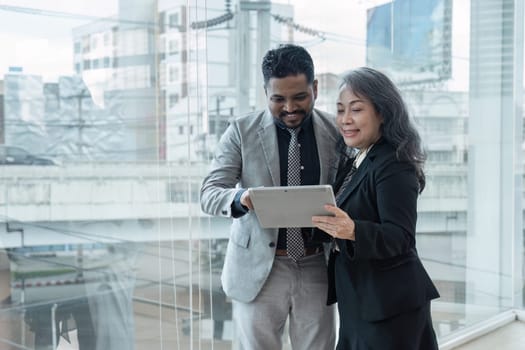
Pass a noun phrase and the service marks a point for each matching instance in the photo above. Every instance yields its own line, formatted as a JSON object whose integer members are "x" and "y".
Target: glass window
{"x": 173, "y": 74}
{"x": 173, "y": 47}
{"x": 107, "y": 39}
{"x": 102, "y": 237}
{"x": 174, "y": 20}
{"x": 94, "y": 43}
{"x": 77, "y": 47}
{"x": 86, "y": 44}
{"x": 173, "y": 99}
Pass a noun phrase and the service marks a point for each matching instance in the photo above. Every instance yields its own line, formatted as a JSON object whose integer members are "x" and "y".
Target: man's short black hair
{"x": 286, "y": 60}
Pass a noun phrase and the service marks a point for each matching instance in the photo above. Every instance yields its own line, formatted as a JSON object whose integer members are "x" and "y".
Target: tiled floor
{"x": 509, "y": 337}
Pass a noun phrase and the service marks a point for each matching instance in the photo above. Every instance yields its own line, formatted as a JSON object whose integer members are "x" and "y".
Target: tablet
{"x": 290, "y": 206}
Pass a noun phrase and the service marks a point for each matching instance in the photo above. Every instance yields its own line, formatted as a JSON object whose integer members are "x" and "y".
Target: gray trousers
{"x": 295, "y": 291}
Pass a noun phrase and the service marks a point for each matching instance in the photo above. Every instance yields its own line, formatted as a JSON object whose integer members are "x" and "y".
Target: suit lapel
{"x": 355, "y": 181}
{"x": 325, "y": 147}
{"x": 363, "y": 170}
{"x": 270, "y": 147}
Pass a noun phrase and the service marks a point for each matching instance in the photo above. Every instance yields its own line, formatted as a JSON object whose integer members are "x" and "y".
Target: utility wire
{"x": 68, "y": 15}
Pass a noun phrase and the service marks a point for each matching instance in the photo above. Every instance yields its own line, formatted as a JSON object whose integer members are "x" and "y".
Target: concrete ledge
{"x": 479, "y": 329}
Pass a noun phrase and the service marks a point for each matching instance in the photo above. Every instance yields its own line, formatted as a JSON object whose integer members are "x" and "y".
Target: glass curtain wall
{"x": 109, "y": 115}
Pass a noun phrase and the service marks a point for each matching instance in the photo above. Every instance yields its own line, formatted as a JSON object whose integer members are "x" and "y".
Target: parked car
{"x": 13, "y": 155}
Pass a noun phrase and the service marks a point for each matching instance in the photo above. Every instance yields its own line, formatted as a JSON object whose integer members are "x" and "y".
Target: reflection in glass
{"x": 109, "y": 115}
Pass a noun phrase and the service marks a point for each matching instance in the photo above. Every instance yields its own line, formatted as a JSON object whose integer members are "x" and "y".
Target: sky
{"x": 346, "y": 20}
{"x": 43, "y": 44}
{"x": 24, "y": 37}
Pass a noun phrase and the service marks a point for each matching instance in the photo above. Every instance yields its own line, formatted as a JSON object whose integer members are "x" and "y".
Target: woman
{"x": 381, "y": 287}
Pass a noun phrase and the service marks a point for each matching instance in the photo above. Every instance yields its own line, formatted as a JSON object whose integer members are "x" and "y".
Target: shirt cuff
{"x": 238, "y": 209}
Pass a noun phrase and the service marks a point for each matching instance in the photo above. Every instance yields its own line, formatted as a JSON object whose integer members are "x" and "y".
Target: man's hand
{"x": 246, "y": 201}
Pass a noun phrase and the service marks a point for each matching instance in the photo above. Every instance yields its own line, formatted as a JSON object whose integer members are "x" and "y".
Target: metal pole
{"x": 53, "y": 325}
{"x": 263, "y": 44}
{"x": 243, "y": 59}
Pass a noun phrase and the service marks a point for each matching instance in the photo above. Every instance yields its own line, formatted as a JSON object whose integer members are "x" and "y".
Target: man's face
{"x": 291, "y": 98}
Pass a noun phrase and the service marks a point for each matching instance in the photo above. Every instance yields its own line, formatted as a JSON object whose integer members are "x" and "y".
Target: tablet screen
{"x": 290, "y": 206}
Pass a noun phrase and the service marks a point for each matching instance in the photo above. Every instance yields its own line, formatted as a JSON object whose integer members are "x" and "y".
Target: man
{"x": 267, "y": 284}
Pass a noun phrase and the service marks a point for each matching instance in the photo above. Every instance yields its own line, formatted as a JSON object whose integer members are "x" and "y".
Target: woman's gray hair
{"x": 397, "y": 128}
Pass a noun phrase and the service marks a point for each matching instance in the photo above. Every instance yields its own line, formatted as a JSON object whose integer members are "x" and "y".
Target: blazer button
{"x": 224, "y": 212}
{"x": 271, "y": 244}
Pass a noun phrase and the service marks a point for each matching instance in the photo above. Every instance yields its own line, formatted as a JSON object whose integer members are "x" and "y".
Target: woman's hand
{"x": 338, "y": 226}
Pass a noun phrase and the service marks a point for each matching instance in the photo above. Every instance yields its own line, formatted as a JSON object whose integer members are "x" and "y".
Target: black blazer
{"x": 386, "y": 274}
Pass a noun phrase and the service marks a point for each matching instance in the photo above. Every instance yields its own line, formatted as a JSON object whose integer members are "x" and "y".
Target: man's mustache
{"x": 300, "y": 111}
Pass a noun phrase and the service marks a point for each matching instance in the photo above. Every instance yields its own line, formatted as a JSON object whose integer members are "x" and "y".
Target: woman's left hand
{"x": 338, "y": 226}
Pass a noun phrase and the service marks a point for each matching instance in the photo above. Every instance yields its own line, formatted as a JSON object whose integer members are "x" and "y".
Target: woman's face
{"x": 357, "y": 119}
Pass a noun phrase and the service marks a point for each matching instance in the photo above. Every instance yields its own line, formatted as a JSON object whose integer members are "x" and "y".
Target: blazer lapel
{"x": 356, "y": 179}
{"x": 363, "y": 170}
{"x": 270, "y": 147}
{"x": 325, "y": 147}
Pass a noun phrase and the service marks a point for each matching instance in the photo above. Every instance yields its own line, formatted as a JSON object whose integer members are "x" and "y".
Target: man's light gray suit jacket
{"x": 248, "y": 156}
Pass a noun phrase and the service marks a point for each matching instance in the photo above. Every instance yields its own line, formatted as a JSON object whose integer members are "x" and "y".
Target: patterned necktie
{"x": 345, "y": 183}
{"x": 294, "y": 237}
